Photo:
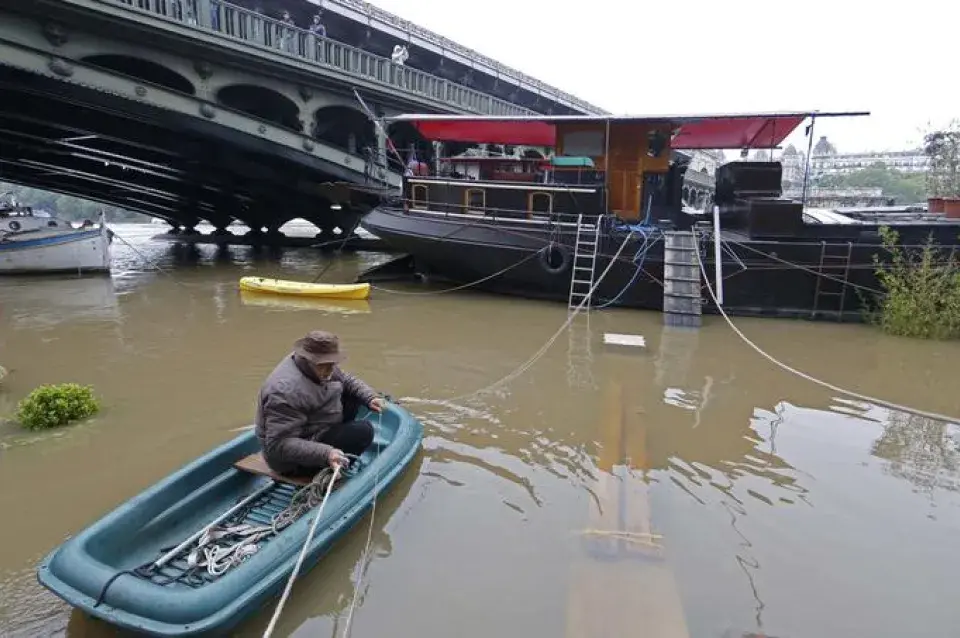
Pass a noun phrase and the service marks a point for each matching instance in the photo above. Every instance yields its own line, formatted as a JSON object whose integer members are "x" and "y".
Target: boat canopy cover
{"x": 571, "y": 162}
{"x": 733, "y": 131}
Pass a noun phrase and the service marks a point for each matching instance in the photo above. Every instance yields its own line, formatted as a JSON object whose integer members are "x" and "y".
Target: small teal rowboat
{"x": 155, "y": 565}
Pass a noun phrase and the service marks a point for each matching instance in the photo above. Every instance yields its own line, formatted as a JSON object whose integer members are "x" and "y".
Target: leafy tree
{"x": 905, "y": 188}
{"x": 942, "y": 146}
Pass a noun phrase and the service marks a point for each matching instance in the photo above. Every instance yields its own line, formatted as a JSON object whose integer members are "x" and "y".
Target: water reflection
{"x": 920, "y": 450}
{"x": 43, "y": 302}
{"x": 714, "y": 438}
{"x": 290, "y": 302}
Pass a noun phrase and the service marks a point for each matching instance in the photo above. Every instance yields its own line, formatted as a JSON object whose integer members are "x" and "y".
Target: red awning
{"x": 739, "y": 132}
{"x": 523, "y": 133}
{"x": 694, "y": 131}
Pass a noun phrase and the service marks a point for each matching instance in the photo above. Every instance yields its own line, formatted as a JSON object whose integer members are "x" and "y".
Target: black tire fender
{"x": 555, "y": 258}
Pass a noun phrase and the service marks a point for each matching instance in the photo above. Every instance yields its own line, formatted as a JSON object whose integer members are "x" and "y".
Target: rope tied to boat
{"x": 890, "y": 405}
{"x": 328, "y": 476}
{"x": 529, "y": 363}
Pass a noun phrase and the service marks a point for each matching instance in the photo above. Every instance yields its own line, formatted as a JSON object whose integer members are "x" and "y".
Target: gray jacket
{"x": 295, "y": 409}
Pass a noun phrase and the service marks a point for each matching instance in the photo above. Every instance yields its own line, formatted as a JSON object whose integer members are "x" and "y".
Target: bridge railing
{"x": 263, "y": 31}
{"x": 443, "y": 43}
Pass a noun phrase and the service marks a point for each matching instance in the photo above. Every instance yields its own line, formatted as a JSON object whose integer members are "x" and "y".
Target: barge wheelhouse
{"x": 511, "y": 222}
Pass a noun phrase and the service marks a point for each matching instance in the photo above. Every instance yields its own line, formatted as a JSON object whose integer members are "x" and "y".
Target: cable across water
{"x": 856, "y": 395}
{"x": 303, "y": 552}
{"x": 463, "y": 286}
{"x": 519, "y": 370}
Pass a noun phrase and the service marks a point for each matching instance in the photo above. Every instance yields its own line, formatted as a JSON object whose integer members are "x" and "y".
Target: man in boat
{"x": 307, "y": 406}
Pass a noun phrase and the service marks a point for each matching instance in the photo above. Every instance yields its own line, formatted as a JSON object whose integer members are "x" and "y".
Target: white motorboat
{"x": 38, "y": 243}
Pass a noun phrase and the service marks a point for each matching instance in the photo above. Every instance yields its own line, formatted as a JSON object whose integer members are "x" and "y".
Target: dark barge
{"x": 513, "y": 224}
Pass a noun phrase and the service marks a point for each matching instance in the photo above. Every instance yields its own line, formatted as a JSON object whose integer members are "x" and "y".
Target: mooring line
{"x": 146, "y": 259}
{"x": 529, "y": 363}
{"x": 313, "y": 529}
{"x": 303, "y": 553}
{"x": 862, "y": 397}
{"x": 461, "y": 287}
{"x": 812, "y": 271}
{"x": 373, "y": 514}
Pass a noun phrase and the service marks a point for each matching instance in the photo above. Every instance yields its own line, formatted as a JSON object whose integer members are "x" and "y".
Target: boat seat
{"x": 256, "y": 464}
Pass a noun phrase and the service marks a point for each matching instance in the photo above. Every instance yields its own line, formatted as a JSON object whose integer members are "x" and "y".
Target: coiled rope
{"x": 850, "y": 393}
{"x": 225, "y": 546}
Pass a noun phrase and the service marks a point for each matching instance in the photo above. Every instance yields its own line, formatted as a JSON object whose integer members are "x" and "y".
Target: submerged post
{"x": 717, "y": 254}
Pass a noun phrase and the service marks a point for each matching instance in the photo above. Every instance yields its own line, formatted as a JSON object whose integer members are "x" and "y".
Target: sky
{"x": 893, "y": 59}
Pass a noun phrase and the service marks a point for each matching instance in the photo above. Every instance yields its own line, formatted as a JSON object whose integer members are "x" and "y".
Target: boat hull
{"x": 772, "y": 278}
{"x": 166, "y": 514}
{"x": 356, "y": 292}
{"x": 77, "y": 251}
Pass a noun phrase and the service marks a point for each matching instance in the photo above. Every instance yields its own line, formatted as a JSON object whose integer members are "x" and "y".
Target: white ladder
{"x": 584, "y": 263}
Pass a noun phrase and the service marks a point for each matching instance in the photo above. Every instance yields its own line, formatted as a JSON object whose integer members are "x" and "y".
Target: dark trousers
{"x": 352, "y": 436}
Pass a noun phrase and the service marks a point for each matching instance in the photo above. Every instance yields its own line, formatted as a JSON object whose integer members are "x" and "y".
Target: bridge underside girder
{"x": 78, "y": 141}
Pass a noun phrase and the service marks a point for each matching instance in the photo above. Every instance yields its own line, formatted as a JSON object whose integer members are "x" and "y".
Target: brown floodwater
{"x": 782, "y": 509}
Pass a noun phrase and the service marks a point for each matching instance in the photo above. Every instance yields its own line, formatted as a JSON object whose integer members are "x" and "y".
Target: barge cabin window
{"x": 539, "y": 202}
{"x": 475, "y": 200}
{"x": 419, "y": 196}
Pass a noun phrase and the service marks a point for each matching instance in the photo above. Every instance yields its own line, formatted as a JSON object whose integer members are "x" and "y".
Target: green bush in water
{"x": 50, "y": 406}
{"x": 921, "y": 291}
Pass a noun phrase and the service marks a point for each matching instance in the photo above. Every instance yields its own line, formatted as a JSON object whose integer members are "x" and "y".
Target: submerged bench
{"x": 256, "y": 464}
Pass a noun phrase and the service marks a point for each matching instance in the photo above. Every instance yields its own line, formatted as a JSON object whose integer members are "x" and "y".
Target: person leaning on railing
{"x": 316, "y": 27}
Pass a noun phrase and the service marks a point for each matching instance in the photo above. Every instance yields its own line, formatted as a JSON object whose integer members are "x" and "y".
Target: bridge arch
{"x": 263, "y": 103}
{"x": 345, "y": 128}
{"x": 142, "y": 69}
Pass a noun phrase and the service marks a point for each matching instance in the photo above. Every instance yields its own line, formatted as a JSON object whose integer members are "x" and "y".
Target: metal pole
{"x": 606, "y": 169}
{"x": 163, "y": 560}
{"x": 717, "y": 254}
{"x": 806, "y": 168}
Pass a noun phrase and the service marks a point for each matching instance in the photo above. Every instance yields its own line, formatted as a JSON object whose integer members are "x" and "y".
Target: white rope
{"x": 812, "y": 271}
{"x": 373, "y": 513}
{"x": 529, "y": 363}
{"x": 303, "y": 553}
{"x": 863, "y": 397}
{"x": 461, "y": 287}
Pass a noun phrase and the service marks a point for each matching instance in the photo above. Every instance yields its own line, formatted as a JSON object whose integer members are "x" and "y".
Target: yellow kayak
{"x": 304, "y": 289}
